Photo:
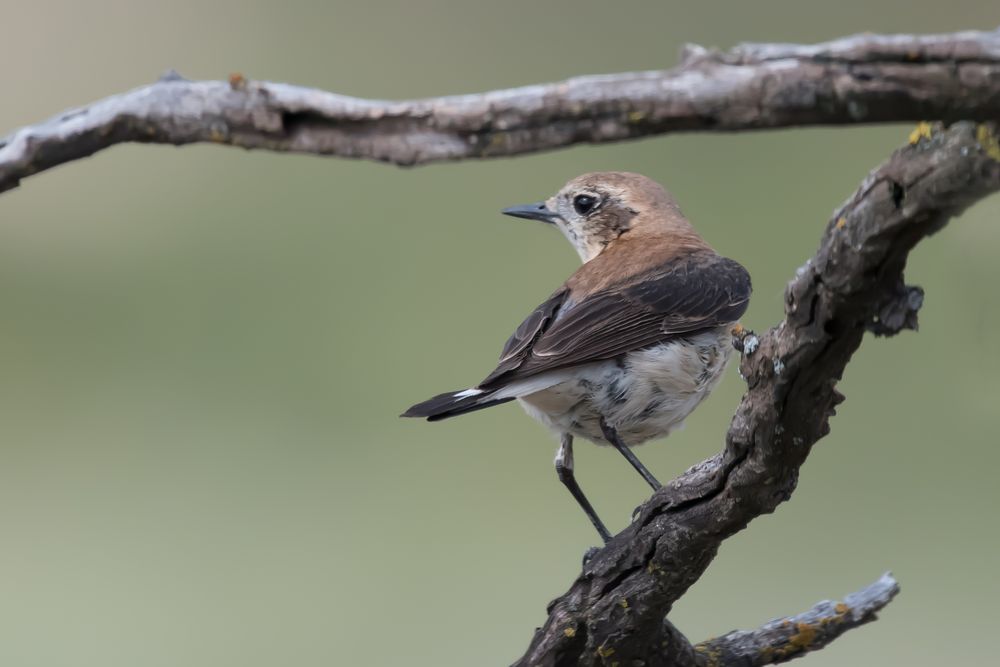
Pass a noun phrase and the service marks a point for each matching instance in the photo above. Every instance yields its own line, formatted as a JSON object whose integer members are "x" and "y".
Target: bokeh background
{"x": 204, "y": 351}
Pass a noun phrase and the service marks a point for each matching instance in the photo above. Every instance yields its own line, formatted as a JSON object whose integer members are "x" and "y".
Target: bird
{"x": 632, "y": 342}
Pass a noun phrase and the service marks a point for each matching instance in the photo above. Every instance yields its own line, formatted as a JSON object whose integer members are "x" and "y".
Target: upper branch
{"x": 852, "y": 284}
{"x": 860, "y": 79}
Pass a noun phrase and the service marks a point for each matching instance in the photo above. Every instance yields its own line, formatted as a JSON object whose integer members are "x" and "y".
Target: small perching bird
{"x": 632, "y": 342}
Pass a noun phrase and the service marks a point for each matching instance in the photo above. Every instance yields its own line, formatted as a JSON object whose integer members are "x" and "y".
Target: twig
{"x": 786, "y": 638}
{"x": 860, "y": 79}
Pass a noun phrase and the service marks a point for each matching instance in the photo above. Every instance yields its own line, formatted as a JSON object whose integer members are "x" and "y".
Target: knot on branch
{"x": 692, "y": 54}
{"x": 172, "y": 75}
{"x": 897, "y": 311}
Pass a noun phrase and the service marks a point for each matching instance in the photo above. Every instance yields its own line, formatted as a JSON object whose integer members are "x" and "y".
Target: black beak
{"x": 536, "y": 211}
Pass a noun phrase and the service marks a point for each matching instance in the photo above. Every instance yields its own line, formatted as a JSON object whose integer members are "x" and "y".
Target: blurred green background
{"x": 204, "y": 352}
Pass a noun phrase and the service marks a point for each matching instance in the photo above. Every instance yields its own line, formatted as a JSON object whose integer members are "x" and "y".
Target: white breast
{"x": 644, "y": 395}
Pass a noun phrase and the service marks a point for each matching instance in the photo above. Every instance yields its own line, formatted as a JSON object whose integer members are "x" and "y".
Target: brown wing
{"x": 685, "y": 296}
{"x": 518, "y": 347}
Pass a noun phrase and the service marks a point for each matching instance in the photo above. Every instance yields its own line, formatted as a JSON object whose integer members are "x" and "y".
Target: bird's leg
{"x": 611, "y": 435}
{"x": 564, "y": 469}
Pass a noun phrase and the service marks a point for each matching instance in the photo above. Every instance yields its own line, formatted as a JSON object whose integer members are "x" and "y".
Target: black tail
{"x": 452, "y": 404}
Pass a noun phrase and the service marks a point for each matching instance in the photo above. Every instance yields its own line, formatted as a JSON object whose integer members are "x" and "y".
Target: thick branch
{"x": 853, "y": 283}
{"x": 786, "y": 638}
{"x": 860, "y": 79}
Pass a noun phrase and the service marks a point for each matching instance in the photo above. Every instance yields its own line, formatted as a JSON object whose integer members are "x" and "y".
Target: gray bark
{"x": 860, "y": 79}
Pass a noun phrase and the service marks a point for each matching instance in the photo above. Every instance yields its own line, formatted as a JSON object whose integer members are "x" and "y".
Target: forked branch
{"x": 853, "y": 284}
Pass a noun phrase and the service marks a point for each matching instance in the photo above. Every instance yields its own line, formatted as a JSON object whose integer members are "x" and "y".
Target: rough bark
{"x": 853, "y": 284}
{"x": 860, "y": 79}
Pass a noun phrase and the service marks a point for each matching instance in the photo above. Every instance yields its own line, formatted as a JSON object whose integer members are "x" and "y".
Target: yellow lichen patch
{"x": 712, "y": 657}
{"x": 804, "y": 637}
{"x": 497, "y": 141}
{"x": 570, "y": 632}
{"x": 605, "y": 651}
{"x": 988, "y": 140}
{"x": 842, "y": 608}
{"x": 636, "y": 116}
{"x": 237, "y": 81}
{"x": 921, "y": 131}
{"x": 623, "y": 603}
{"x": 737, "y": 329}
{"x": 841, "y": 223}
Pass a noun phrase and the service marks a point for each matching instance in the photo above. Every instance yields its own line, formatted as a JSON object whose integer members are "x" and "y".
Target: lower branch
{"x": 853, "y": 284}
{"x": 786, "y": 638}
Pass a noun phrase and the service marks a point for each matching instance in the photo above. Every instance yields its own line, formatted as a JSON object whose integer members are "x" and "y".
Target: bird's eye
{"x": 584, "y": 204}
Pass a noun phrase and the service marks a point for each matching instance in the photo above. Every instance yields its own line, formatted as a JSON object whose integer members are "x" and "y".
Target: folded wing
{"x": 686, "y": 295}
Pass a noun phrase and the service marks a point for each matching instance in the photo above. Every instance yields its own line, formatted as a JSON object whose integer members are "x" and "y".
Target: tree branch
{"x": 786, "y": 638}
{"x": 860, "y": 79}
{"x": 853, "y": 283}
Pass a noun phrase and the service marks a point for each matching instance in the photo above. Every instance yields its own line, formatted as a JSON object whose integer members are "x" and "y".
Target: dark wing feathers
{"x": 520, "y": 343}
{"x": 684, "y": 296}
{"x": 452, "y": 404}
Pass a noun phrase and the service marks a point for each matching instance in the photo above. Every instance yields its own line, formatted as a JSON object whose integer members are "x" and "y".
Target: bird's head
{"x": 595, "y": 209}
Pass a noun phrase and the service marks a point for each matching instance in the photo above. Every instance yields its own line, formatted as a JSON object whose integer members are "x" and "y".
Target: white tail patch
{"x": 468, "y": 393}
